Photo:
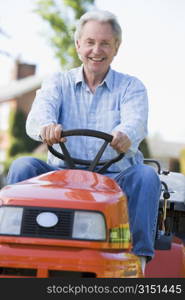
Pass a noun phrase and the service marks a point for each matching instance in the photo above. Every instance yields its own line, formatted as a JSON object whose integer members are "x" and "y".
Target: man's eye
{"x": 105, "y": 44}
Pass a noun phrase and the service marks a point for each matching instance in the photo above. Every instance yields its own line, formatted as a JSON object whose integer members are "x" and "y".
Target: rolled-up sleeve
{"x": 46, "y": 106}
{"x": 134, "y": 113}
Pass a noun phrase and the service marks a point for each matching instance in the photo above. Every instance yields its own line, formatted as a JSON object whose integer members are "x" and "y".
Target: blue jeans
{"x": 140, "y": 183}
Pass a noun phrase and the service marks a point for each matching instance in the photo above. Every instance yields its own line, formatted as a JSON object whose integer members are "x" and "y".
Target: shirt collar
{"x": 108, "y": 80}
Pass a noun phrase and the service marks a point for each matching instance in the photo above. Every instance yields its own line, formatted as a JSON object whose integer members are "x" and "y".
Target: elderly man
{"x": 94, "y": 96}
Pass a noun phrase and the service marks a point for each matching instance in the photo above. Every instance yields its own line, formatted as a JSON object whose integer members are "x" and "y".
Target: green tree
{"x": 61, "y": 15}
{"x": 20, "y": 142}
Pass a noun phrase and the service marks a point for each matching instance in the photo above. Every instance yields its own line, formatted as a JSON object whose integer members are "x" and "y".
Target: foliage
{"x": 143, "y": 147}
{"x": 61, "y": 15}
{"x": 20, "y": 142}
{"x": 182, "y": 161}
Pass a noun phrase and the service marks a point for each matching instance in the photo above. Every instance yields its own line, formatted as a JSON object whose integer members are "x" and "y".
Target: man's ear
{"x": 116, "y": 48}
{"x": 77, "y": 44}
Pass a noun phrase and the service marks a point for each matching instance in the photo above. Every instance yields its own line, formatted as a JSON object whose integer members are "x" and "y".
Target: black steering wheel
{"x": 92, "y": 164}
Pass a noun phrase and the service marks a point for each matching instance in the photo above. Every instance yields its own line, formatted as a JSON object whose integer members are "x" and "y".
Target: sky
{"x": 153, "y": 49}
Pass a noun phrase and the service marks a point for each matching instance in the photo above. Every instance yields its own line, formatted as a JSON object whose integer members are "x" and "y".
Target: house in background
{"x": 18, "y": 94}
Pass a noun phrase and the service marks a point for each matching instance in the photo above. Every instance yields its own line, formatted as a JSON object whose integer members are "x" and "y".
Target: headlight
{"x": 89, "y": 226}
{"x": 10, "y": 220}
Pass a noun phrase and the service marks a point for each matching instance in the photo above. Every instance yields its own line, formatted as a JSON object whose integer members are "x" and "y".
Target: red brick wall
{"x": 22, "y": 70}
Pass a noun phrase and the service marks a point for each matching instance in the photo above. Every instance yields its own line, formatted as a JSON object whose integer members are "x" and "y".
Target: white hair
{"x": 101, "y": 16}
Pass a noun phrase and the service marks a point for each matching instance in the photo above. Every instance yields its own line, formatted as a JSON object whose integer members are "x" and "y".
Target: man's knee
{"x": 22, "y": 163}
{"x": 147, "y": 174}
{"x": 22, "y": 168}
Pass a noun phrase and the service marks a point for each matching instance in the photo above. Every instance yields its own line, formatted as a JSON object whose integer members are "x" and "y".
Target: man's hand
{"x": 120, "y": 142}
{"x": 51, "y": 134}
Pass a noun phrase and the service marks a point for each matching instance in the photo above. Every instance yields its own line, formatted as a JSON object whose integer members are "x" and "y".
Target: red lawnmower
{"x": 73, "y": 223}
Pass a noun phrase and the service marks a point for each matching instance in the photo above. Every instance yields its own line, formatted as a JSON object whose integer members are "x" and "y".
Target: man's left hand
{"x": 120, "y": 142}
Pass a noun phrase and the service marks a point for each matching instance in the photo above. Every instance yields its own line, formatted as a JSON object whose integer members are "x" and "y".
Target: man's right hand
{"x": 51, "y": 134}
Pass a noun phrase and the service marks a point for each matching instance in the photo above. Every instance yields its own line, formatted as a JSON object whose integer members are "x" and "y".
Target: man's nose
{"x": 97, "y": 49}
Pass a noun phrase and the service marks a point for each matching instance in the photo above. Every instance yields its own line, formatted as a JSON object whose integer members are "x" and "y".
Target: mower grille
{"x": 62, "y": 230}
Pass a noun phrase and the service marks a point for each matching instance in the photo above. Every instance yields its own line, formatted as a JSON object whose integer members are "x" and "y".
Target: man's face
{"x": 97, "y": 47}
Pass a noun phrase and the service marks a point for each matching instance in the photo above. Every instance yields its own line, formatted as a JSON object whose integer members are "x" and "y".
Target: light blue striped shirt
{"x": 119, "y": 103}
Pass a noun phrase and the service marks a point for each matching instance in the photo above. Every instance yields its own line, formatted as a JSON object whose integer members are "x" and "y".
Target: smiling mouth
{"x": 96, "y": 59}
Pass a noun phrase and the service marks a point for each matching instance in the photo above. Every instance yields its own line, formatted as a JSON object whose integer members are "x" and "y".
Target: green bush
{"x": 19, "y": 141}
{"x": 143, "y": 147}
{"x": 182, "y": 161}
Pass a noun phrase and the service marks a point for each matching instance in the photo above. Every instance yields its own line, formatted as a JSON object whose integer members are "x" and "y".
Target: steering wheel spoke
{"x": 98, "y": 156}
{"x": 69, "y": 160}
